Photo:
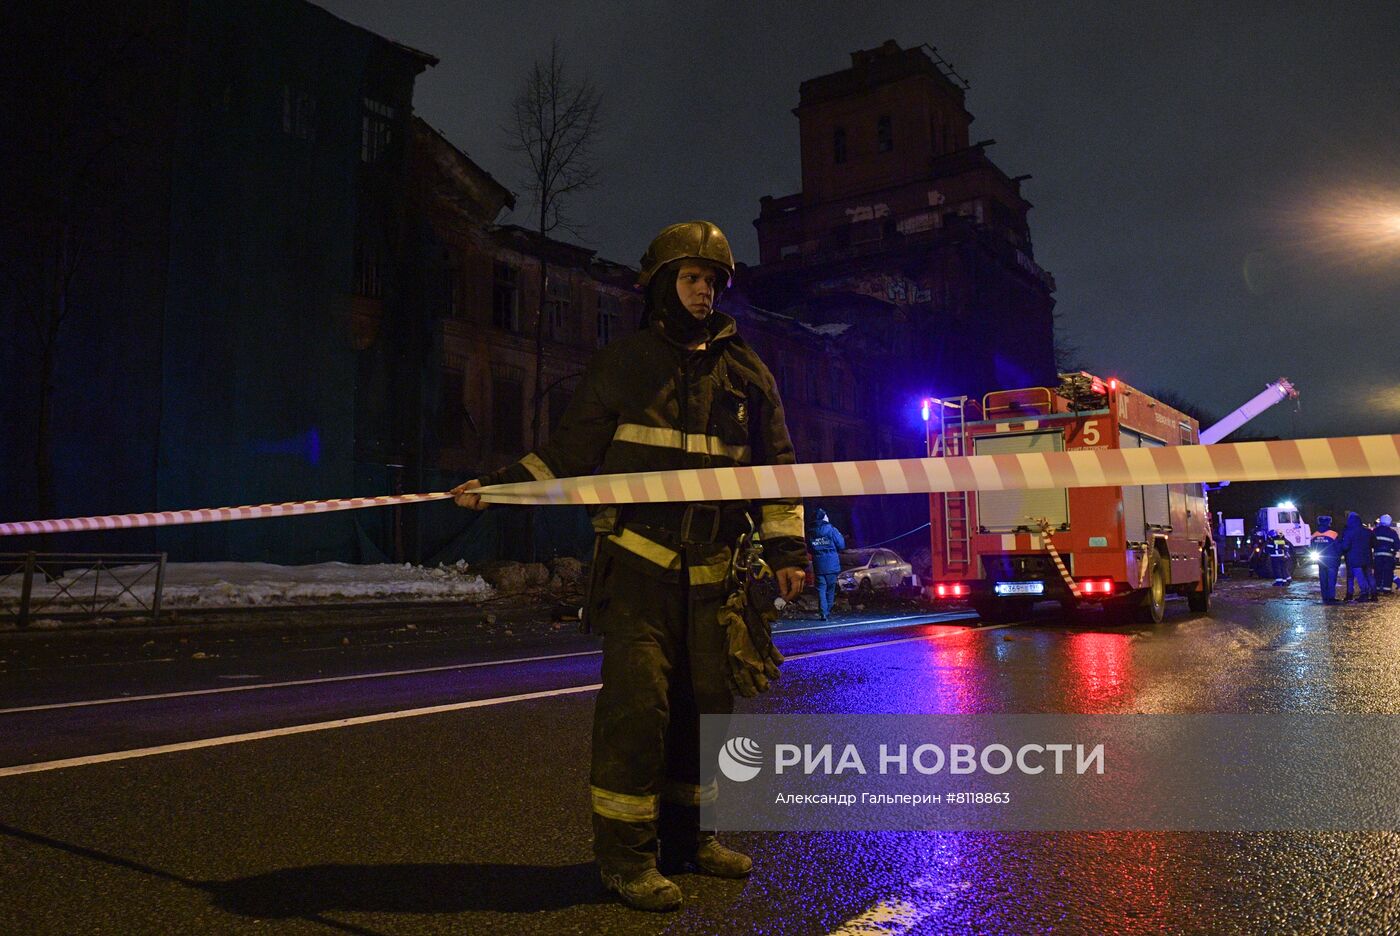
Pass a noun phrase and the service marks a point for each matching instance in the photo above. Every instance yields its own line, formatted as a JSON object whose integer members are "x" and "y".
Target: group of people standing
{"x": 1369, "y": 554}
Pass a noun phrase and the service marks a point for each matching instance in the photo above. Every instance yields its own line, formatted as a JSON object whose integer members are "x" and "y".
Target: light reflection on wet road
{"x": 449, "y": 823}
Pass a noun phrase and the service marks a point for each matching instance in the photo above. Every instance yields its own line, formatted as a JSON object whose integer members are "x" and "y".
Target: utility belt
{"x": 687, "y": 524}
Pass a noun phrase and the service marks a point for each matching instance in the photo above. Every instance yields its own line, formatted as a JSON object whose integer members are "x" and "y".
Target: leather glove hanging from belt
{"x": 747, "y": 617}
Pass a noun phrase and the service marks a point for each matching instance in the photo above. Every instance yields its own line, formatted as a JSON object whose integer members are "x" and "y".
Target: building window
{"x": 559, "y": 397}
{"x": 369, "y": 278}
{"x": 884, "y": 134}
{"x": 867, "y": 232}
{"x": 456, "y": 294}
{"x": 505, "y": 298}
{"x": 838, "y": 145}
{"x": 452, "y": 410}
{"x": 557, "y": 306}
{"x": 609, "y": 317}
{"x": 376, "y": 130}
{"x": 507, "y": 414}
{"x": 298, "y": 113}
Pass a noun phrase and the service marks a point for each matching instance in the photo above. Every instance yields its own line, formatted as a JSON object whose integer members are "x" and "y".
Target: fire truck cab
{"x": 1126, "y": 547}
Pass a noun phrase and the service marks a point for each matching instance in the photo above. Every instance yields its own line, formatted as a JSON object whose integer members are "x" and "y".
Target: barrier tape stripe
{"x": 1049, "y": 546}
{"x": 1343, "y": 457}
{"x": 1357, "y": 456}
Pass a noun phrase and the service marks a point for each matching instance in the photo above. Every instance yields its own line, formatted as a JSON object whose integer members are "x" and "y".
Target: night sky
{"x": 1216, "y": 185}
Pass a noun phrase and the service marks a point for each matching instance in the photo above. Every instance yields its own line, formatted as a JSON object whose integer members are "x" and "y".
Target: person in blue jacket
{"x": 1355, "y": 547}
{"x": 826, "y": 543}
{"x": 1329, "y": 557}
{"x": 1385, "y": 545}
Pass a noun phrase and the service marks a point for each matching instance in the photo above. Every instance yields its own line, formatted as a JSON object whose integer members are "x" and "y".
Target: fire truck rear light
{"x": 1096, "y": 586}
{"x": 951, "y": 590}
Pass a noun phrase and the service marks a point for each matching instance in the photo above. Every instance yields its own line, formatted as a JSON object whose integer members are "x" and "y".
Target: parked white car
{"x": 866, "y": 571}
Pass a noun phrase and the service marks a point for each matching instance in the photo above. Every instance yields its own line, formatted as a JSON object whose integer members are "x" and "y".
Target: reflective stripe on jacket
{"x": 1385, "y": 541}
{"x": 646, "y": 403}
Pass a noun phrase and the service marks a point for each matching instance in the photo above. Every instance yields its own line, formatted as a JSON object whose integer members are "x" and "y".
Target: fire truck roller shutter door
{"x": 1004, "y": 511}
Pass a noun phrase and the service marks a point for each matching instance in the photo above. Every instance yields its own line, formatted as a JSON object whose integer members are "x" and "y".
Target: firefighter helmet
{"x": 689, "y": 240}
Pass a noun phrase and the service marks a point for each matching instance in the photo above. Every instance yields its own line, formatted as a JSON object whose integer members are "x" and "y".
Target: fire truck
{"x": 1123, "y": 547}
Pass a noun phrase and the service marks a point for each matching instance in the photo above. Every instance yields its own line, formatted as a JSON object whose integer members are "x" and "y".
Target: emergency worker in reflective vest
{"x": 684, "y": 392}
{"x": 1385, "y": 545}
{"x": 1281, "y": 558}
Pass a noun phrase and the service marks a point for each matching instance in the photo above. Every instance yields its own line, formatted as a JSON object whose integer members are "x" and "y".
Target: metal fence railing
{"x": 79, "y": 585}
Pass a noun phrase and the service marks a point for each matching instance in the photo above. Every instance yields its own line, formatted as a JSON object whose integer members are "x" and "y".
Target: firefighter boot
{"x": 720, "y": 861}
{"x": 648, "y": 890}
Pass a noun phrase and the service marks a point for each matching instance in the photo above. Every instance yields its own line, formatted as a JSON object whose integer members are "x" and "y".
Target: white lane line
{"x": 296, "y": 682}
{"x": 280, "y": 732}
{"x": 895, "y": 916}
{"x": 390, "y": 716}
{"x": 937, "y": 618}
{"x": 381, "y": 675}
{"x": 891, "y": 643}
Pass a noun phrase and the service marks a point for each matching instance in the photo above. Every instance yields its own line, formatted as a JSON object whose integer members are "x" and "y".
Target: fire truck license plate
{"x": 1020, "y": 588}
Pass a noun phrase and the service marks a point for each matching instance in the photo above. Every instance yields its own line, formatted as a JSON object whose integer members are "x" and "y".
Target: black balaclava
{"x": 664, "y": 306}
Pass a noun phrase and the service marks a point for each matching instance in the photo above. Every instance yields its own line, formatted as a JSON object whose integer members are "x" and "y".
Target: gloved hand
{"x": 747, "y": 617}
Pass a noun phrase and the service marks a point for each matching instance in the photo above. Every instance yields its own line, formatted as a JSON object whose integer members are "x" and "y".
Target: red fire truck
{"x": 1125, "y": 547}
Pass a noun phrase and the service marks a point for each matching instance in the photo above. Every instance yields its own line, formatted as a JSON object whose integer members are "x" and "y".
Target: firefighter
{"x": 1355, "y": 547}
{"x": 826, "y": 542}
{"x": 1280, "y": 558}
{"x": 1385, "y": 542}
{"x": 684, "y": 392}
{"x": 1329, "y": 557}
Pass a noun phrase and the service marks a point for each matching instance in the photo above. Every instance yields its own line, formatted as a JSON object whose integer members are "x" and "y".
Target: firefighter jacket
{"x": 647, "y": 403}
{"x": 1278, "y": 547}
{"x": 1385, "y": 542}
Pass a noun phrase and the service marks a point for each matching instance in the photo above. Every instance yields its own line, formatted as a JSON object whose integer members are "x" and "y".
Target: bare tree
{"x": 61, "y": 183}
{"x": 554, "y": 126}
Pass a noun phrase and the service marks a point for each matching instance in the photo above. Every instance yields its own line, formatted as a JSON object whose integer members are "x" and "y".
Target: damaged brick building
{"x": 910, "y": 248}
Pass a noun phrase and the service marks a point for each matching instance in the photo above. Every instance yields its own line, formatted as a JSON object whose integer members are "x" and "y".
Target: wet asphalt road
{"x": 473, "y": 819}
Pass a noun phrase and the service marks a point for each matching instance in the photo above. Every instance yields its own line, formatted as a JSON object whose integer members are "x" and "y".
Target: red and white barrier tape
{"x": 1049, "y": 546}
{"x": 1345, "y": 457}
{"x": 212, "y": 515}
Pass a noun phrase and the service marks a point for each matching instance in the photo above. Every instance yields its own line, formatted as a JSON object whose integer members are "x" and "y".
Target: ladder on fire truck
{"x": 957, "y": 529}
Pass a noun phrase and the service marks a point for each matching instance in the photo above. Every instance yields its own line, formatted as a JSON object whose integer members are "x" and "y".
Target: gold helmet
{"x": 689, "y": 240}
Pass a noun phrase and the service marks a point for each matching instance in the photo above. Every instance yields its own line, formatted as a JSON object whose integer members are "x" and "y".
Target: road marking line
{"x": 891, "y": 643}
{"x": 280, "y": 732}
{"x": 388, "y": 673}
{"x": 295, "y": 682}
{"x": 895, "y": 916}
{"x": 929, "y": 618}
{"x": 390, "y": 716}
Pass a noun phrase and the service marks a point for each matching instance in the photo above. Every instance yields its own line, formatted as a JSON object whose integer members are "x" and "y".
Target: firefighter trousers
{"x": 664, "y": 665}
{"x": 1385, "y": 573}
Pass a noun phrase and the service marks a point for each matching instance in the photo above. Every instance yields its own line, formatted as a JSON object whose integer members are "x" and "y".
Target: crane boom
{"x": 1276, "y": 392}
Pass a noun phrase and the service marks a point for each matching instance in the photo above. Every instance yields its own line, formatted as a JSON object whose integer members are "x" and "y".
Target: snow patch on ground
{"x": 248, "y": 584}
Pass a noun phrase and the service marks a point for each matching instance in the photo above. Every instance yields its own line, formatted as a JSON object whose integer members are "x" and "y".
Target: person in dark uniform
{"x": 1329, "y": 557}
{"x": 1385, "y": 544}
{"x": 684, "y": 392}
{"x": 1280, "y": 558}
{"x": 826, "y": 543}
{"x": 1355, "y": 547}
